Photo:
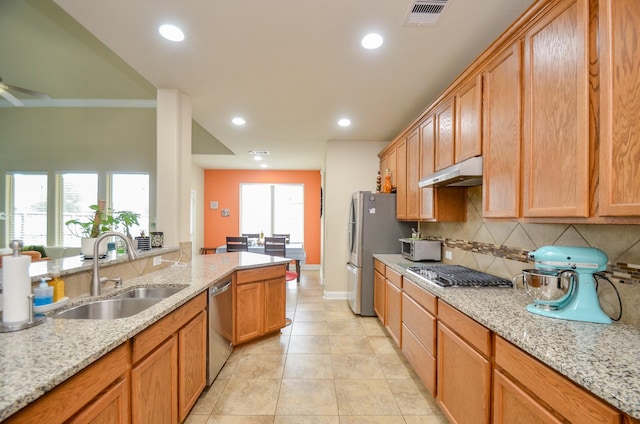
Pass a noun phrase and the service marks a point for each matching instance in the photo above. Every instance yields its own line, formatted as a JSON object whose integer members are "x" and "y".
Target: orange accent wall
{"x": 224, "y": 186}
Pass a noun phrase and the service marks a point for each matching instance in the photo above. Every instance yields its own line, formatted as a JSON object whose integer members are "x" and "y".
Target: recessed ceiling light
{"x": 238, "y": 121}
{"x": 257, "y": 157}
{"x": 171, "y": 32}
{"x": 372, "y": 41}
{"x": 263, "y": 165}
{"x": 344, "y": 122}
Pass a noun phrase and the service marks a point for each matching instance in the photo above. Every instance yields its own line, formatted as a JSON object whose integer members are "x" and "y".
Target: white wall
{"x": 349, "y": 166}
{"x": 197, "y": 185}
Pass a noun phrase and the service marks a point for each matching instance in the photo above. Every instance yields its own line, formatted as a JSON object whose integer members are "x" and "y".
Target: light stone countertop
{"x": 602, "y": 358}
{"x": 35, "y": 360}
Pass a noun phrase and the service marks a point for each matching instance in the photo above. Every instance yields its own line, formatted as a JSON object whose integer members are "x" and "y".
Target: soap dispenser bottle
{"x": 58, "y": 286}
{"x": 43, "y": 294}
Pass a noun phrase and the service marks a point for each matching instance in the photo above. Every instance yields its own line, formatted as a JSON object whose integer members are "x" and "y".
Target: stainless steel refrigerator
{"x": 373, "y": 228}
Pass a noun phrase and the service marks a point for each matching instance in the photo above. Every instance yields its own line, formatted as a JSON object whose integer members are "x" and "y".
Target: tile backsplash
{"x": 501, "y": 248}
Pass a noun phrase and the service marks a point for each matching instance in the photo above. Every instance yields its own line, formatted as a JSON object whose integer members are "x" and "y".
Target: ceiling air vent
{"x": 425, "y": 12}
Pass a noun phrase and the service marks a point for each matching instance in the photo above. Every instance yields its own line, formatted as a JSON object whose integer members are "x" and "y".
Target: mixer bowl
{"x": 549, "y": 286}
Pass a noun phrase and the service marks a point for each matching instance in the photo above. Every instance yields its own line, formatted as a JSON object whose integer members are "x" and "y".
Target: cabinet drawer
{"x": 379, "y": 266}
{"x": 153, "y": 336}
{"x": 394, "y": 277}
{"x": 421, "y": 323}
{"x": 421, "y": 296}
{"x": 258, "y": 274}
{"x": 474, "y": 333}
{"x": 571, "y": 401}
{"x": 423, "y": 362}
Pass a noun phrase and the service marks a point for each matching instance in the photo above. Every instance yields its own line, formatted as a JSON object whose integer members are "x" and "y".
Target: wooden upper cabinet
{"x": 427, "y": 155}
{"x": 468, "y": 139}
{"x": 502, "y": 111}
{"x": 556, "y": 125}
{"x": 413, "y": 175}
{"x": 620, "y": 108}
{"x": 445, "y": 136}
{"x": 401, "y": 179}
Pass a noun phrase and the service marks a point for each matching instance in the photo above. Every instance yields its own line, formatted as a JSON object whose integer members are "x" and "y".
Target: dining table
{"x": 294, "y": 251}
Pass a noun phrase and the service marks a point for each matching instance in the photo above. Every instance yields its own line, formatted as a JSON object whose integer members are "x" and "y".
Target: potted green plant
{"x": 89, "y": 228}
{"x": 126, "y": 219}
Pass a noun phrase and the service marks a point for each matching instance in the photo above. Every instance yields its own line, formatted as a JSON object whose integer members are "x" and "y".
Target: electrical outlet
{"x": 447, "y": 254}
{"x": 157, "y": 260}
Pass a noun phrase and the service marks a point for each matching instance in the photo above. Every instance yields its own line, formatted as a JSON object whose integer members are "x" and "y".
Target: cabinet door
{"x": 501, "y": 136}
{"x": 192, "y": 363}
{"x": 249, "y": 311}
{"x": 111, "y": 407}
{"x": 620, "y": 108}
{"x": 427, "y": 167}
{"x": 468, "y": 141}
{"x": 379, "y": 285}
{"x": 445, "y": 135}
{"x": 394, "y": 313}
{"x": 275, "y": 304}
{"x": 401, "y": 179}
{"x": 464, "y": 378}
{"x": 556, "y": 126}
{"x": 511, "y": 404}
{"x": 413, "y": 176}
{"x": 154, "y": 386}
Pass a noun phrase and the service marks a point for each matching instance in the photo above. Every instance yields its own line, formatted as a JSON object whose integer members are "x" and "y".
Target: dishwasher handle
{"x": 217, "y": 290}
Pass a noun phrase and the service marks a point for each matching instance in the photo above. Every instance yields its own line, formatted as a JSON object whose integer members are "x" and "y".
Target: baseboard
{"x": 335, "y": 294}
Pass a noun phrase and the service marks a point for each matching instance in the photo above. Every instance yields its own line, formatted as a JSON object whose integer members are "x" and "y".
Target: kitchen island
{"x": 35, "y": 360}
{"x": 603, "y": 359}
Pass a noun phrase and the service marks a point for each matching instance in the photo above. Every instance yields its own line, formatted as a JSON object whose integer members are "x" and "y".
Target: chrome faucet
{"x": 96, "y": 281}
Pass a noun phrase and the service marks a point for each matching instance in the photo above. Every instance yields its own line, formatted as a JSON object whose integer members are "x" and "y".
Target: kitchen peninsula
{"x": 36, "y": 360}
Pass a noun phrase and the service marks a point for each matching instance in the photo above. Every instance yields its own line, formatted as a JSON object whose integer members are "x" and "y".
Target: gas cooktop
{"x": 456, "y": 276}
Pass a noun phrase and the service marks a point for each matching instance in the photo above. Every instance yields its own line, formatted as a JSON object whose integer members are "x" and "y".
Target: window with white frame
{"x": 26, "y": 215}
{"x": 272, "y": 209}
{"x": 76, "y": 191}
{"x": 130, "y": 192}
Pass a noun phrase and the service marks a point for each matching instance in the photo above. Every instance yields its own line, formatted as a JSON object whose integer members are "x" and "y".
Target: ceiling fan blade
{"x": 27, "y": 91}
{"x": 10, "y": 97}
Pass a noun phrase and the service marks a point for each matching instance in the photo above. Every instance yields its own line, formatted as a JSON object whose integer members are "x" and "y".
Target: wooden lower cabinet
{"x": 111, "y": 407}
{"x": 99, "y": 392}
{"x": 511, "y": 404}
{"x": 192, "y": 363}
{"x": 154, "y": 384}
{"x": 393, "y": 305}
{"x": 259, "y": 302}
{"x": 169, "y": 365}
{"x": 379, "y": 290}
{"x": 537, "y": 387}
{"x": 464, "y": 379}
{"x": 422, "y": 361}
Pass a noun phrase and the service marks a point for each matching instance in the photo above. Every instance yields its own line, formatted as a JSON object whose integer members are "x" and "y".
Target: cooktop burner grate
{"x": 457, "y": 276}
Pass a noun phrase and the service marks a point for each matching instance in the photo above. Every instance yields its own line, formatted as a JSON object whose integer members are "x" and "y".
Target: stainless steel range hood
{"x": 464, "y": 174}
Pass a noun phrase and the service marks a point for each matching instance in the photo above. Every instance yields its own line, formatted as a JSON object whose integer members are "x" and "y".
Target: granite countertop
{"x": 602, "y": 358}
{"x": 35, "y": 360}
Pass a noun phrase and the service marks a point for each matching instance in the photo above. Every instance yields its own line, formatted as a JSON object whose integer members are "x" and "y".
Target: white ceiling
{"x": 292, "y": 68}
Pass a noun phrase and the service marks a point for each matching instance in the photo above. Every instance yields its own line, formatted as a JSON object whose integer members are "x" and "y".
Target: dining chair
{"x": 237, "y": 244}
{"x": 287, "y": 237}
{"x": 276, "y": 246}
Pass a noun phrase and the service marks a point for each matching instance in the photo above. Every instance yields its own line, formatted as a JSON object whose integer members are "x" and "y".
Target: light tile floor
{"x": 329, "y": 366}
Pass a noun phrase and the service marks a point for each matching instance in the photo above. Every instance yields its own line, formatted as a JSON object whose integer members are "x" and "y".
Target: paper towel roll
{"x": 16, "y": 287}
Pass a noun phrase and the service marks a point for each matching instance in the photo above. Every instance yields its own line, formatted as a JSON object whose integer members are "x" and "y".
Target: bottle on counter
{"x": 58, "y": 286}
{"x": 43, "y": 294}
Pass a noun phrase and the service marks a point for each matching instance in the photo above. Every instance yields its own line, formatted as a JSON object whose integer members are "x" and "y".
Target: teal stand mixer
{"x": 563, "y": 285}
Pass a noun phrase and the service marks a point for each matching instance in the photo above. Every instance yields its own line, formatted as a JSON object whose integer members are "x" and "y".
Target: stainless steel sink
{"x": 108, "y": 309}
{"x": 149, "y": 293}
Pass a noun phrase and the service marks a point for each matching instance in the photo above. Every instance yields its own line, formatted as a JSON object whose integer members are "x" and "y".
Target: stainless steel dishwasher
{"x": 220, "y": 327}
